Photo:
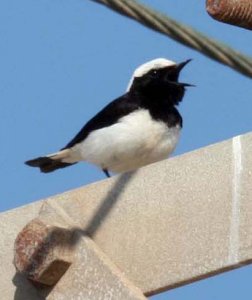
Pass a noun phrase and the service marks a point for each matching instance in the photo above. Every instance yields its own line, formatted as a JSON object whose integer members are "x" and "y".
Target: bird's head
{"x": 158, "y": 80}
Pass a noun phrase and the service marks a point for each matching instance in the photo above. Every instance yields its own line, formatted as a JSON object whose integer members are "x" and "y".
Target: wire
{"x": 182, "y": 33}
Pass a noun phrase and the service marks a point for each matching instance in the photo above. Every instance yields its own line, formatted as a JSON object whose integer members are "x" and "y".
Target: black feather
{"x": 46, "y": 164}
{"x": 109, "y": 115}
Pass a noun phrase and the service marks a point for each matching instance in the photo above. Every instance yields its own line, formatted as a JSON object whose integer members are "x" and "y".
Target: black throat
{"x": 159, "y": 106}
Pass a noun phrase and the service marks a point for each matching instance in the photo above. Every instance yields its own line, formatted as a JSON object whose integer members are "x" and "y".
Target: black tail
{"x": 47, "y": 164}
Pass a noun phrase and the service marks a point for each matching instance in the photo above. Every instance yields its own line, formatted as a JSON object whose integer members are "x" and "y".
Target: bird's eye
{"x": 154, "y": 73}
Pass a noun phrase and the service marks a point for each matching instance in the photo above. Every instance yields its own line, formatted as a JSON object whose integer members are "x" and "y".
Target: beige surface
{"x": 93, "y": 277}
{"x": 170, "y": 223}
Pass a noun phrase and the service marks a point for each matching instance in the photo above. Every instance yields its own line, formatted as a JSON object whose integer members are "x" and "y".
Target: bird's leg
{"x": 106, "y": 172}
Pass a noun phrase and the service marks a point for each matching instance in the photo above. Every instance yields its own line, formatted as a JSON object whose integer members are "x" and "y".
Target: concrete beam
{"x": 50, "y": 248}
{"x": 165, "y": 225}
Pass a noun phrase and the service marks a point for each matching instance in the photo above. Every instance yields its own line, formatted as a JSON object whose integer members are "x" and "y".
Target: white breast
{"x": 136, "y": 140}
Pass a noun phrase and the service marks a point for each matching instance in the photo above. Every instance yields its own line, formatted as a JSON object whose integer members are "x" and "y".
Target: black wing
{"x": 106, "y": 117}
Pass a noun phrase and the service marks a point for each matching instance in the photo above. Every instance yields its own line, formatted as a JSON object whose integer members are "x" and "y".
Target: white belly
{"x": 136, "y": 140}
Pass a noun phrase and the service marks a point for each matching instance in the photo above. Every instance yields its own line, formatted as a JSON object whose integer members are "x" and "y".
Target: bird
{"x": 138, "y": 128}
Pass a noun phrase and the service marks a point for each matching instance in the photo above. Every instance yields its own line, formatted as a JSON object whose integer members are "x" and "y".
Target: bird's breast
{"x": 134, "y": 141}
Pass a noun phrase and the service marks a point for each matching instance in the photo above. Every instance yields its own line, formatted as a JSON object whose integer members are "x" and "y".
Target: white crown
{"x": 157, "y": 63}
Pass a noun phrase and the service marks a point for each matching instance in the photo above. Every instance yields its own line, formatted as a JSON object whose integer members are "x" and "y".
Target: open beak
{"x": 180, "y": 84}
{"x": 186, "y": 84}
{"x": 179, "y": 67}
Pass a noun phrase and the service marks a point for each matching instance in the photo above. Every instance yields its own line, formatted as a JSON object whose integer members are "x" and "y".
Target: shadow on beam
{"x": 24, "y": 287}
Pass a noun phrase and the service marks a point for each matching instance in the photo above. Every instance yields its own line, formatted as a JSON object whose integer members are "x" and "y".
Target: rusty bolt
{"x": 43, "y": 252}
{"x": 235, "y": 12}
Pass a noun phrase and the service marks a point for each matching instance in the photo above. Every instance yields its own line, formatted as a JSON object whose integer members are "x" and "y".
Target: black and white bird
{"x": 138, "y": 128}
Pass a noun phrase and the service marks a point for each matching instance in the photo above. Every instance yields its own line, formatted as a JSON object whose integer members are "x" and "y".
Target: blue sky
{"x": 61, "y": 61}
